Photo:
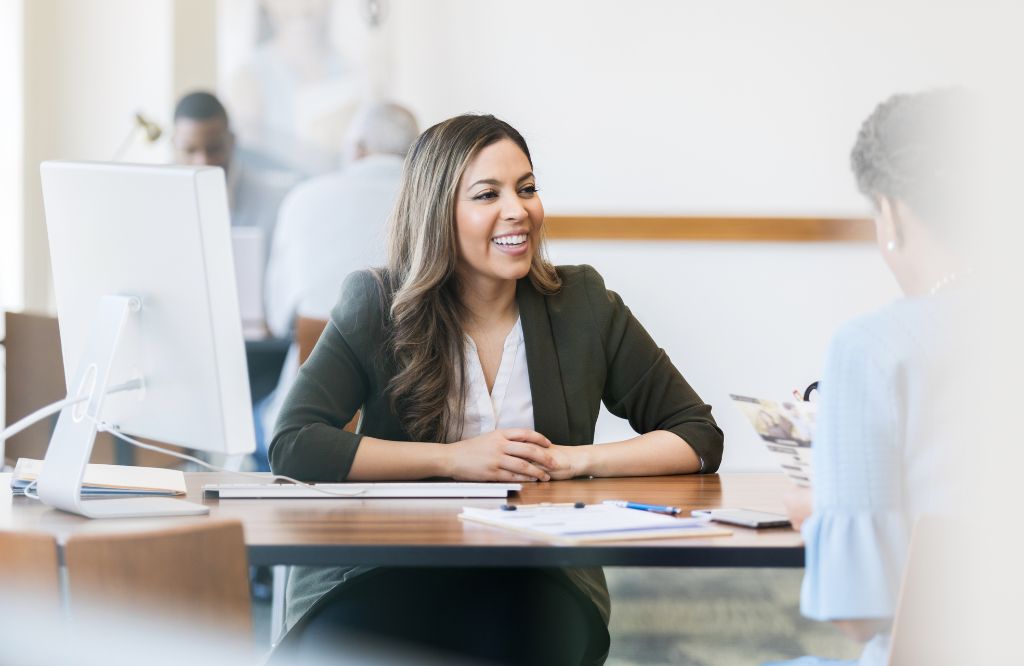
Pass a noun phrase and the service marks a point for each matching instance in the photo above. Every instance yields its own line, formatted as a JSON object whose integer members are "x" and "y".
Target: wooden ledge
{"x": 733, "y": 229}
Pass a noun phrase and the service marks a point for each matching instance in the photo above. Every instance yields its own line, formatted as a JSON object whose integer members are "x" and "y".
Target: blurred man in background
{"x": 256, "y": 185}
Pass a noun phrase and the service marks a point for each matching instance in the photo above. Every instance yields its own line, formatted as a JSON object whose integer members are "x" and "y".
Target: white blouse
{"x": 510, "y": 402}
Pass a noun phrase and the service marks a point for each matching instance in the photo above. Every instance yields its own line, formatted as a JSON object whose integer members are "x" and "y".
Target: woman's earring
{"x": 891, "y": 246}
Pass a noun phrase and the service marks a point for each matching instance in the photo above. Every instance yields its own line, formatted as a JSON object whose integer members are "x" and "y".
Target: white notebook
{"x": 109, "y": 479}
{"x": 359, "y": 490}
{"x": 592, "y": 522}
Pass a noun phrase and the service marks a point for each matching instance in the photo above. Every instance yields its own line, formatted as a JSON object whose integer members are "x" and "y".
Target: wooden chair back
{"x": 307, "y": 332}
{"x": 29, "y": 569}
{"x": 35, "y": 378}
{"x": 197, "y": 574}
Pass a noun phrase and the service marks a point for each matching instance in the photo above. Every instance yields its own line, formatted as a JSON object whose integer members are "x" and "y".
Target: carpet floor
{"x": 714, "y": 617}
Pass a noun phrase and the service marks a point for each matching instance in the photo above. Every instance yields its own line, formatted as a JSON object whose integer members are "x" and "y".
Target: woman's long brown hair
{"x": 425, "y": 334}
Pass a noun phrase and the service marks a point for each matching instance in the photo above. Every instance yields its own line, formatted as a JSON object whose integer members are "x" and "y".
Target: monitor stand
{"x": 60, "y": 482}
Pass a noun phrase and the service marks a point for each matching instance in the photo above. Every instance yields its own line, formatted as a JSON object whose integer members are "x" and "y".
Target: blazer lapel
{"x": 550, "y": 416}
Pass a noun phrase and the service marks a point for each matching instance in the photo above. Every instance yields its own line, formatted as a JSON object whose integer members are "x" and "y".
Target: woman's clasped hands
{"x": 511, "y": 455}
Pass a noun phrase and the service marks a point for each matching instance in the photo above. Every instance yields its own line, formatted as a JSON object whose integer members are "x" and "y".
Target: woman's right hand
{"x": 510, "y": 455}
{"x": 799, "y": 503}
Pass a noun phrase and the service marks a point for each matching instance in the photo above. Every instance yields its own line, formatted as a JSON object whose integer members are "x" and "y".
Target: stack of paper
{"x": 593, "y": 522}
{"x": 109, "y": 479}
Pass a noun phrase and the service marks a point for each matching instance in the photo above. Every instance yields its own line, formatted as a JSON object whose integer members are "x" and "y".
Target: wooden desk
{"x": 428, "y": 533}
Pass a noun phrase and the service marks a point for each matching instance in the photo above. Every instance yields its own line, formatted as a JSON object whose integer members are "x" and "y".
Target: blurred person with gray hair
{"x": 328, "y": 227}
{"x": 333, "y": 224}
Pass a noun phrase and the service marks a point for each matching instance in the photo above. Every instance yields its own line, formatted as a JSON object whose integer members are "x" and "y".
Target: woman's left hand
{"x": 568, "y": 461}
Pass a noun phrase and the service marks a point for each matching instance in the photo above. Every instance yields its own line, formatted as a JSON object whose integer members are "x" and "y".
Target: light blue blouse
{"x": 883, "y": 455}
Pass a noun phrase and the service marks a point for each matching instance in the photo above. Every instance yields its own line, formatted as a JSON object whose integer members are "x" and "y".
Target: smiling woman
{"x": 472, "y": 357}
{"x": 498, "y": 217}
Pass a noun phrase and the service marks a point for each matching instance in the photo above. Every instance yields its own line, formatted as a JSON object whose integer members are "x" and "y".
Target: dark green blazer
{"x": 583, "y": 346}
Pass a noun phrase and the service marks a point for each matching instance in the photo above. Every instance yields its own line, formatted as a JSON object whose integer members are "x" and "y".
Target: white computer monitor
{"x": 145, "y": 287}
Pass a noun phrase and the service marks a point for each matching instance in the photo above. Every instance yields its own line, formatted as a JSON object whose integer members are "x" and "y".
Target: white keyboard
{"x": 359, "y": 490}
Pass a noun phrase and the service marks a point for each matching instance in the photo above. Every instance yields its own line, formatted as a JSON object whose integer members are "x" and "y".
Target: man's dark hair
{"x": 200, "y": 106}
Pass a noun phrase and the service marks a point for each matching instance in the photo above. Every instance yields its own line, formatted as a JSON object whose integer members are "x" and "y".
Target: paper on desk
{"x": 787, "y": 429}
{"x": 109, "y": 479}
{"x": 594, "y": 522}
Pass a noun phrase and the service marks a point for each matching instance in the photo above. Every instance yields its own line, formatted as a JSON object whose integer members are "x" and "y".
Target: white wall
{"x": 673, "y": 106}
{"x": 737, "y": 318}
{"x": 88, "y": 68}
{"x": 692, "y": 107}
{"x": 11, "y": 245}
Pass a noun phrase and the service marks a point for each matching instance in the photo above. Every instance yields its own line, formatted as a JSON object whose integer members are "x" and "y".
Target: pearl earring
{"x": 891, "y": 246}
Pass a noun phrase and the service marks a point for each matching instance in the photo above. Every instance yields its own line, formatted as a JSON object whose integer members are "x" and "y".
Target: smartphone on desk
{"x": 744, "y": 517}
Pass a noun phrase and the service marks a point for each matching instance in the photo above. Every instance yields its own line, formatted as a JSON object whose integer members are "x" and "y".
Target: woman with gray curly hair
{"x": 892, "y": 422}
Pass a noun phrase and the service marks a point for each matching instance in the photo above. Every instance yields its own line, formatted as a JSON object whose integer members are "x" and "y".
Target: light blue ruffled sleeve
{"x": 856, "y": 539}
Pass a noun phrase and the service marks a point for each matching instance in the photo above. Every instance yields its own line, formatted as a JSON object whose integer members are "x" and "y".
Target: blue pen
{"x": 654, "y": 508}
